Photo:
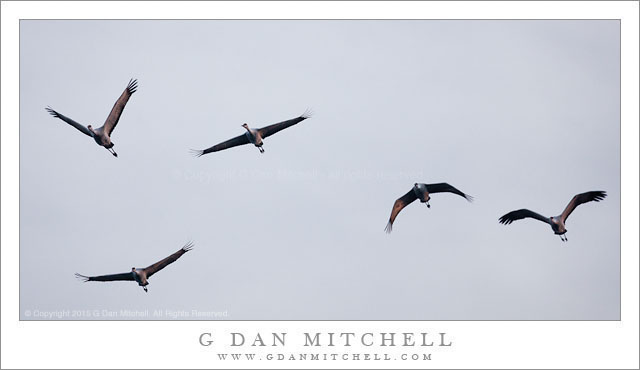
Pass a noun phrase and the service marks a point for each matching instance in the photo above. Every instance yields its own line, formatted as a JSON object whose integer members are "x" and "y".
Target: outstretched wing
{"x": 582, "y": 198}
{"x": 117, "y": 109}
{"x": 68, "y": 120}
{"x": 443, "y": 187}
{"x": 172, "y": 258}
{"x": 399, "y": 204}
{"x": 272, "y": 129}
{"x": 238, "y": 140}
{"x": 114, "y": 277}
{"x": 520, "y": 214}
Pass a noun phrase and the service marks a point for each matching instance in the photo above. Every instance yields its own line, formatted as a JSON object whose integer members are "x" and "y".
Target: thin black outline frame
{"x": 619, "y": 21}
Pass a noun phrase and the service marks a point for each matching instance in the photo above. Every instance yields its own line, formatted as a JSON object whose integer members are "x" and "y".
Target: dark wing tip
{"x": 469, "y": 197}
{"x": 82, "y": 277}
{"x": 196, "y": 153}
{"x": 307, "y": 113}
{"x": 388, "y": 228}
{"x": 599, "y": 195}
{"x": 189, "y": 246}
{"x": 132, "y": 86}
{"x": 52, "y": 112}
{"x": 506, "y": 219}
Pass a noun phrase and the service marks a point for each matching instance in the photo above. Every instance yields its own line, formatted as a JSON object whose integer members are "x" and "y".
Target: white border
{"x": 478, "y": 344}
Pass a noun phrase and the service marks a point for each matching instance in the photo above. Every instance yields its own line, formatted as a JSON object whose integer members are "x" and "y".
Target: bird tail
{"x": 196, "y": 153}
{"x": 82, "y": 277}
{"x": 389, "y": 227}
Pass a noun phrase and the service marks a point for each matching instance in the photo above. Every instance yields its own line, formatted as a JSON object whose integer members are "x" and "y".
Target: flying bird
{"x": 557, "y": 222}
{"x": 253, "y": 136}
{"x": 140, "y": 276}
{"x": 102, "y": 135}
{"x": 421, "y": 191}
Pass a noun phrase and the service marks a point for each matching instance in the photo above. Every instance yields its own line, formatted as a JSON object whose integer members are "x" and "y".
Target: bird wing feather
{"x": 238, "y": 140}
{"x": 68, "y": 120}
{"x": 398, "y": 205}
{"x": 582, "y": 198}
{"x": 118, "y": 107}
{"x": 114, "y": 277}
{"x": 167, "y": 261}
{"x": 272, "y": 129}
{"x": 520, "y": 214}
{"x": 443, "y": 187}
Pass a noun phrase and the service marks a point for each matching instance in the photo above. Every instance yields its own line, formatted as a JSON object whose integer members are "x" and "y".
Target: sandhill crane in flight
{"x": 421, "y": 191}
{"x": 102, "y": 135}
{"x": 557, "y": 222}
{"x": 140, "y": 275}
{"x": 253, "y": 136}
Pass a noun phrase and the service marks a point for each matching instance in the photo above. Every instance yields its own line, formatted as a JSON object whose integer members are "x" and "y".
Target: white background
{"x": 477, "y": 344}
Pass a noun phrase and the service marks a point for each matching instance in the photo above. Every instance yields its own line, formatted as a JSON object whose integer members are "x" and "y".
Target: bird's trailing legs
{"x": 112, "y": 152}
{"x": 145, "y": 289}
{"x": 261, "y": 150}
{"x": 563, "y": 238}
{"x": 428, "y": 205}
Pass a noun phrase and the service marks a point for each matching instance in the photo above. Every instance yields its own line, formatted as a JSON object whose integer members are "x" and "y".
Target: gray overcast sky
{"x": 519, "y": 114}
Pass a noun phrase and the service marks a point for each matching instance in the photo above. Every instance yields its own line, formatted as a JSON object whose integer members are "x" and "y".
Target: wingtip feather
{"x": 388, "y": 228}
{"x": 82, "y": 277}
{"x": 505, "y": 220}
{"x": 51, "y": 111}
{"x": 600, "y": 195}
{"x": 132, "y": 86}
{"x": 196, "y": 153}
{"x": 189, "y": 246}
{"x": 307, "y": 113}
